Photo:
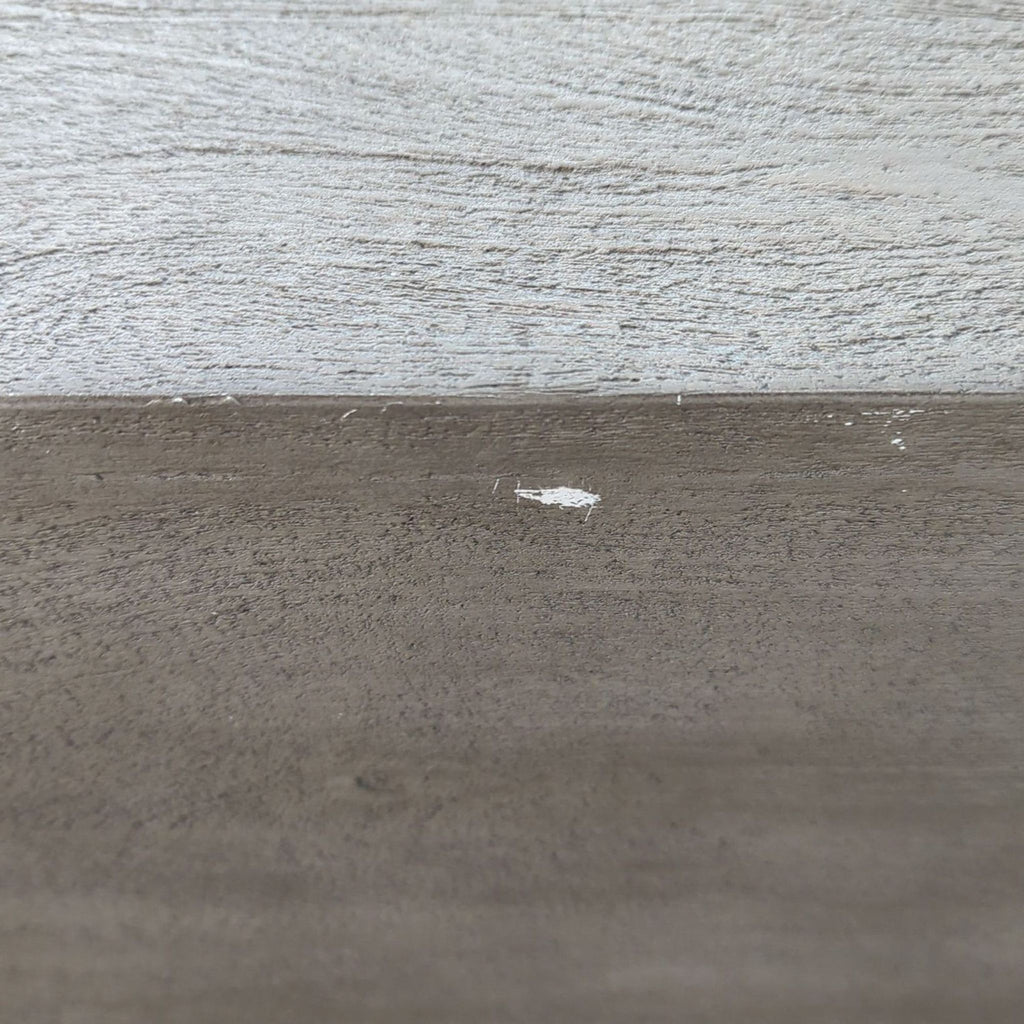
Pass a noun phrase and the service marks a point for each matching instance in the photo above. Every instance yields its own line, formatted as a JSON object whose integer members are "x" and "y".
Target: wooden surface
{"x": 378, "y": 197}
{"x": 301, "y": 720}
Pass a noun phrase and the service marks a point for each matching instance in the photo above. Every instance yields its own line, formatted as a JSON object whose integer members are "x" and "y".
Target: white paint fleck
{"x": 892, "y": 413}
{"x": 563, "y": 497}
{"x": 346, "y": 415}
{"x": 899, "y": 442}
{"x": 848, "y": 423}
{"x": 176, "y": 400}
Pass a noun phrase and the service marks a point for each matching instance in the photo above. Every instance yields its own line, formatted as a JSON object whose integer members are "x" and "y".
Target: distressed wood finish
{"x": 300, "y": 721}
{"x": 440, "y": 197}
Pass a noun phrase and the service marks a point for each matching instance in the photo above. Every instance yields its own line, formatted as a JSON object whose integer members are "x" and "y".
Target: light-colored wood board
{"x": 378, "y": 197}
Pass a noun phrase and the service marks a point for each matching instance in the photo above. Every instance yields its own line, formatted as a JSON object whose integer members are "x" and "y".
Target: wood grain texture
{"x": 300, "y": 722}
{"x": 454, "y": 197}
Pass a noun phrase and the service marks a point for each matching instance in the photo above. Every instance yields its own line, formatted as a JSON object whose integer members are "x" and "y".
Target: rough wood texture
{"x": 300, "y": 722}
{"x": 304, "y": 197}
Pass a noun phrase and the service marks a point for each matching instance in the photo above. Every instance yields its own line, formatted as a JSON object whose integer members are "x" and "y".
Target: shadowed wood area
{"x": 302, "y": 719}
{"x": 444, "y": 197}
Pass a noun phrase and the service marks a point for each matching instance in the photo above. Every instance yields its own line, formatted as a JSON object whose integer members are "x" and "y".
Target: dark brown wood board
{"x": 302, "y": 719}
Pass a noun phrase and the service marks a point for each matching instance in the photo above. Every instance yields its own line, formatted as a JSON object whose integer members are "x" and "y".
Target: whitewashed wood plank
{"x": 443, "y": 197}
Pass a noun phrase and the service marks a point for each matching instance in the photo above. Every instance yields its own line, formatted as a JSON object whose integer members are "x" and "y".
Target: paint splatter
{"x": 176, "y": 400}
{"x": 563, "y": 497}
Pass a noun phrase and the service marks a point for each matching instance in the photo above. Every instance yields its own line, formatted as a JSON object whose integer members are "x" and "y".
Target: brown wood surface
{"x": 300, "y": 722}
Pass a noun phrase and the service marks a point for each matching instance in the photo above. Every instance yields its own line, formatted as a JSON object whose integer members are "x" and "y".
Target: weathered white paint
{"x": 436, "y": 196}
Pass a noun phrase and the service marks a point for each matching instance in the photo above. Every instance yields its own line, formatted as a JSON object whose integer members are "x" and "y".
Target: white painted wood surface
{"x": 307, "y": 197}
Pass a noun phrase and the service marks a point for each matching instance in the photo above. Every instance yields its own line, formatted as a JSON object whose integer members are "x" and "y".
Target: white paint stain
{"x": 892, "y": 413}
{"x": 900, "y": 443}
{"x": 176, "y": 400}
{"x": 562, "y": 497}
{"x": 346, "y": 415}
